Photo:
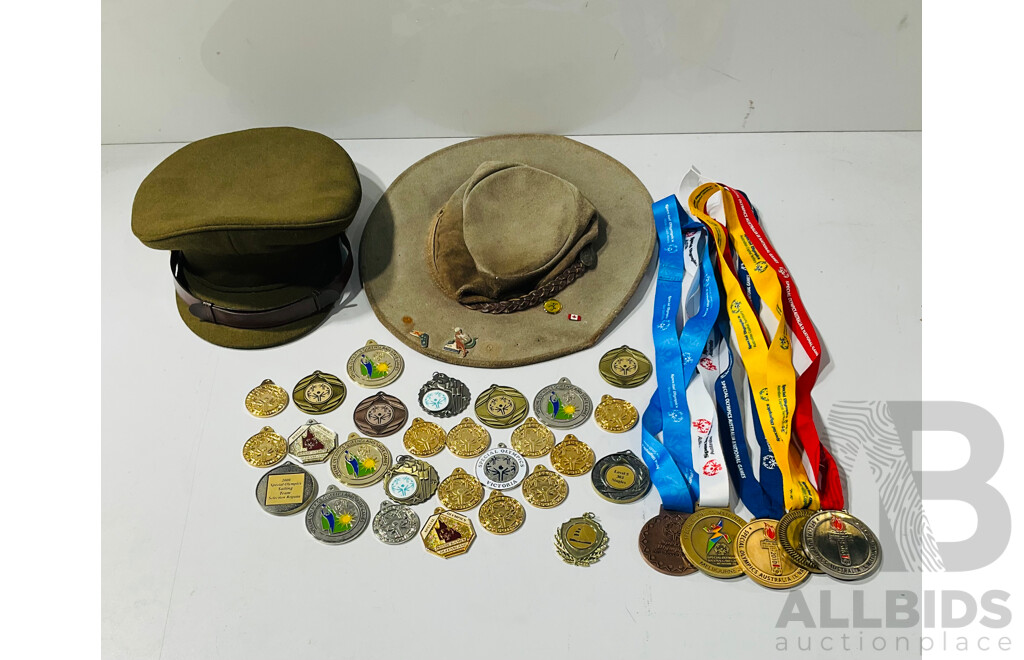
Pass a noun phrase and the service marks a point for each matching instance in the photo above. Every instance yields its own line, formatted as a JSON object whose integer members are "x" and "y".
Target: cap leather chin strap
{"x": 262, "y": 319}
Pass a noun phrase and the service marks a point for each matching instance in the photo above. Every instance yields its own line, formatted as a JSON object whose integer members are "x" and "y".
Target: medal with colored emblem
{"x": 763, "y": 559}
{"x": 532, "y": 439}
{"x": 443, "y": 396}
{"x": 411, "y": 481}
{"x": 318, "y": 393}
{"x": 423, "y": 438}
{"x": 615, "y": 415}
{"x": 501, "y": 407}
{"x": 501, "y": 468}
{"x": 562, "y": 405}
{"x": 264, "y": 449}
{"x": 707, "y": 539}
{"x": 447, "y": 534}
{"x": 375, "y": 365}
{"x": 380, "y": 415}
{"x": 659, "y": 544}
{"x": 285, "y": 490}
{"x": 460, "y": 491}
{"x": 395, "y": 524}
{"x": 360, "y": 462}
{"x": 337, "y": 516}
{"x": 544, "y": 488}
{"x": 572, "y": 457}
{"x": 501, "y": 514}
{"x": 467, "y": 439}
{"x": 625, "y": 367}
{"x": 266, "y": 399}
{"x": 312, "y": 442}
{"x": 842, "y": 545}
{"x": 581, "y": 541}
{"x": 621, "y": 478}
{"x": 791, "y": 538}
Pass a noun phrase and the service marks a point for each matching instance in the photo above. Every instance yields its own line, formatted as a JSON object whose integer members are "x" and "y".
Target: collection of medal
{"x": 339, "y": 515}
{"x": 708, "y": 430}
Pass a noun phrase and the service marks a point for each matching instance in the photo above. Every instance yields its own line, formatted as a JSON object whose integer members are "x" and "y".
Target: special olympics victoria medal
{"x": 447, "y": 534}
{"x": 266, "y": 399}
{"x": 360, "y": 462}
{"x": 319, "y": 393}
{"x": 707, "y": 539}
{"x": 581, "y": 541}
{"x": 562, "y": 405}
{"x": 285, "y": 490}
{"x": 763, "y": 559}
{"x": 501, "y": 468}
{"x": 395, "y": 524}
{"x": 443, "y": 396}
{"x": 312, "y": 442}
{"x": 411, "y": 481}
{"x": 621, "y": 477}
{"x": 842, "y": 545}
{"x": 625, "y": 367}
{"x": 375, "y": 365}
{"x": 337, "y": 516}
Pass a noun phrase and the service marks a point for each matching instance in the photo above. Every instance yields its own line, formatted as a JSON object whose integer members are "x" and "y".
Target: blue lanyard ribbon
{"x": 676, "y": 354}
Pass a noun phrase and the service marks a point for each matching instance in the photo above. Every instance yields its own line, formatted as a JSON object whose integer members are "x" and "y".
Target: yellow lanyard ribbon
{"x": 769, "y": 365}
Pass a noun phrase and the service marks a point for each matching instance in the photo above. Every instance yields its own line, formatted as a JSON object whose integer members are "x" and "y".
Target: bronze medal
{"x": 660, "y": 546}
{"x": 762, "y": 558}
{"x": 380, "y": 415}
{"x": 707, "y": 538}
{"x": 791, "y": 538}
{"x": 319, "y": 393}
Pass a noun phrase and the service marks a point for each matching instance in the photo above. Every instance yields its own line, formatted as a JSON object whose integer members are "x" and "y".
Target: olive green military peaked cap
{"x": 464, "y": 249}
{"x": 255, "y": 224}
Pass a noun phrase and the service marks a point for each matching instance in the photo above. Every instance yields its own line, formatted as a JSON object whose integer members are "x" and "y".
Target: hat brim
{"x": 222, "y": 335}
{"x": 392, "y": 254}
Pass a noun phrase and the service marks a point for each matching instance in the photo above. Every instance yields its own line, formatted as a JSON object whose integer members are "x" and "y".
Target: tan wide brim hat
{"x": 399, "y": 287}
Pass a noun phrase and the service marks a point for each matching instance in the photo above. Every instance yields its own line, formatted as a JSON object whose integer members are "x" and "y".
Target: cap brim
{"x": 228, "y": 337}
{"x": 392, "y": 258}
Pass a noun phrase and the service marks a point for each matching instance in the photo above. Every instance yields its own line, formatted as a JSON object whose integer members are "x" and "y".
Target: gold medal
{"x": 572, "y": 457}
{"x": 318, "y": 393}
{"x": 266, "y": 399}
{"x": 544, "y": 488}
{"x": 447, "y": 534}
{"x": 581, "y": 541}
{"x": 360, "y": 462}
{"x": 791, "y": 538}
{"x": 501, "y": 407}
{"x": 615, "y": 415}
{"x": 708, "y": 538}
{"x": 460, "y": 491}
{"x": 424, "y": 438}
{"x": 264, "y": 449}
{"x": 375, "y": 365}
{"x": 762, "y": 558}
{"x": 552, "y": 306}
{"x": 467, "y": 439}
{"x": 532, "y": 439}
{"x": 501, "y": 514}
{"x": 625, "y": 367}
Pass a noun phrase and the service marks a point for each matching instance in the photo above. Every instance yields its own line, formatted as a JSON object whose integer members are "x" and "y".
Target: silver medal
{"x": 395, "y": 523}
{"x": 443, "y": 396}
{"x": 562, "y": 405}
{"x": 337, "y": 516}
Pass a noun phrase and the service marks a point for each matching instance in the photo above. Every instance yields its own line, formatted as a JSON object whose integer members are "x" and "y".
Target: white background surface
{"x": 192, "y": 567}
{"x": 179, "y": 70}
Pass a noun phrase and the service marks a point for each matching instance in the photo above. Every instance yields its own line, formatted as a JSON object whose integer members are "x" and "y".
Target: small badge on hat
{"x": 461, "y": 343}
{"x": 574, "y": 317}
{"x": 552, "y": 306}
